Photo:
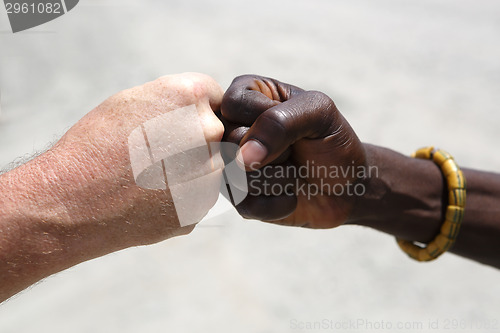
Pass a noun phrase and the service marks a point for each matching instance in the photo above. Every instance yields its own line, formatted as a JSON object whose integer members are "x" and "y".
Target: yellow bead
{"x": 455, "y": 180}
{"x": 456, "y": 197}
{"x": 423, "y": 255}
{"x": 454, "y": 213}
{"x": 443, "y": 242}
{"x": 440, "y": 156}
{"x": 424, "y": 153}
{"x": 409, "y": 248}
{"x": 433, "y": 250}
{"x": 450, "y": 229}
{"x": 449, "y": 167}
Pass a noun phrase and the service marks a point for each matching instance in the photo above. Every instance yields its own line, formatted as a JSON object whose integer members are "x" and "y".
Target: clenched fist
{"x": 304, "y": 161}
{"x": 99, "y": 154}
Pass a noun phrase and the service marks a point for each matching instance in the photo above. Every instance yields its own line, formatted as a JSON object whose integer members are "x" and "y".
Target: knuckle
{"x": 193, "y": 86}
{"x": 325, "y": 115}
{"x": 245, "y": 77}
{"x": 230, "y": 101}
{"x": 236, "y": 135}
{"x": 277, "y": 120}
{"x": 321, "y": 99}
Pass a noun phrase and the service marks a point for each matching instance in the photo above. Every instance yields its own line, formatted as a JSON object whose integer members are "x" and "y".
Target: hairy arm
{"x": 79, "y": 200}
{"x": 37, "y": 236}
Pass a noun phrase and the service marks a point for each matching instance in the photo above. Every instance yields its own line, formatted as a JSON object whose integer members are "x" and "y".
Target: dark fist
{"x": 305, "y": 165}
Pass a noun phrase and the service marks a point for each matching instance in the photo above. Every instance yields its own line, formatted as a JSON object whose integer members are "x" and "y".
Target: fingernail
{"x": 252, "y": 154}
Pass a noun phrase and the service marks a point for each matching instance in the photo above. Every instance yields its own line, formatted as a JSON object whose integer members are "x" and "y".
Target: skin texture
{"x": 79, "y": 200}
{"x": 406, "y": 197}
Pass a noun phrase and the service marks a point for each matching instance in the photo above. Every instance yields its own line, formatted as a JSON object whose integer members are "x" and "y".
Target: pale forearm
{"x": 38, "y": 237}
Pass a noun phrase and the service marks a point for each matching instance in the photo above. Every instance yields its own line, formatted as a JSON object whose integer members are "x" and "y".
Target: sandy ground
{"x": 405, "y": 73}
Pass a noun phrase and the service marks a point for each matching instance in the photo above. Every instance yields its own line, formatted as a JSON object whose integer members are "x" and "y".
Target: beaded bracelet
{"x": 455, "y": 181}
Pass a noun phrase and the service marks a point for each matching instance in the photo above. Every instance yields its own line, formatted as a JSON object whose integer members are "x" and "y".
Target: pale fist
{"x": 142, "y": 162}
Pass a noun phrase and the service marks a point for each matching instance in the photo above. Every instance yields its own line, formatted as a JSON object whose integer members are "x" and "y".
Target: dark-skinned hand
{"x": 282, "y": 127}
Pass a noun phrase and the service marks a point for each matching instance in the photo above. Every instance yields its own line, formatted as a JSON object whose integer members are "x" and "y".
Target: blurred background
{"x": 405, "y": 73}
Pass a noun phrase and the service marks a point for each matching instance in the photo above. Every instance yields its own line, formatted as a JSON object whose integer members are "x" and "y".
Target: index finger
{"x": 250, "y": 95}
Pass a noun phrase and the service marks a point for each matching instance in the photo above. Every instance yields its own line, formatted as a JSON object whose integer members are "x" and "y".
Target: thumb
{"x": 310, "y": 115}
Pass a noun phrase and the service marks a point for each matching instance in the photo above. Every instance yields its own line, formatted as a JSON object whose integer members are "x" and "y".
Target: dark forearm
{"x": 479, "y": 238}
{"x": 408, "y": 200}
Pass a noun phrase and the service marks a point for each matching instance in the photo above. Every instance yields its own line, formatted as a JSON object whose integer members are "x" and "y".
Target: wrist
{"x": 404, "y": 196}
